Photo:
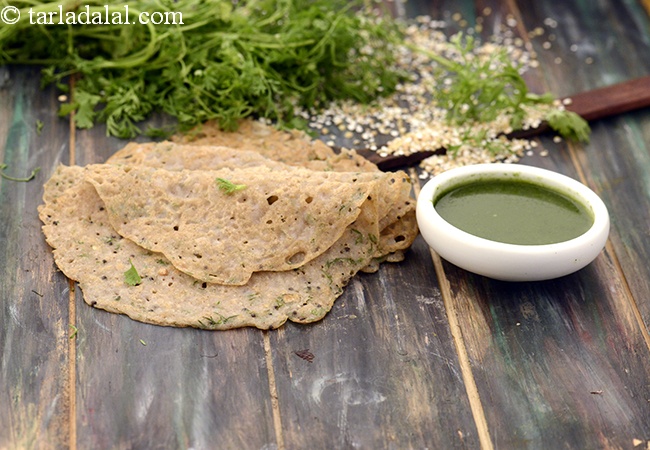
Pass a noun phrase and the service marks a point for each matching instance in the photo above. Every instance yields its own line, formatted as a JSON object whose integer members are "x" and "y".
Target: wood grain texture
{"x": 142, "y": 386}
{"x": 34, "y": 388}
{"x": 612, "y": 100}
{"x": 384, "y": 370}
{"x": 558, "y": 363}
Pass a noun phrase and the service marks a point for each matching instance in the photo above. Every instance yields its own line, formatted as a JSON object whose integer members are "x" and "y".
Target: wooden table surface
{"x": 419, "y": 355}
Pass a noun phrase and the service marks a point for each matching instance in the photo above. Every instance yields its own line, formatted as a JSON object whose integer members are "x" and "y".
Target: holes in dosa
{"x": 296, "y": 258}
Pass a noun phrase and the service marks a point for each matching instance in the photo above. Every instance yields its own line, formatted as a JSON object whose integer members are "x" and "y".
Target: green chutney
{"x": 514, "y": 211}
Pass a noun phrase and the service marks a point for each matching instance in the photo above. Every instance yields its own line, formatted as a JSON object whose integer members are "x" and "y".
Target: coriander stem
{"x": 10, "y": 178}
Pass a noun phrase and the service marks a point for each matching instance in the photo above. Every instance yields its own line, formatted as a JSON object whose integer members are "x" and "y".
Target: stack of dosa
{"x": 300, "y": 224}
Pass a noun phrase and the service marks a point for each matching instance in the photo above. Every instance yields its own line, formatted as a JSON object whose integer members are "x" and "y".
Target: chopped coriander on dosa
{"x": 228, "y": 187}
{"x": 131, "y": 276}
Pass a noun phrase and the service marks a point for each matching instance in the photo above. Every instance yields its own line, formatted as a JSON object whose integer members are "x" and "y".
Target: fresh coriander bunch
{"x": 227, "y": 60}
{"x": 483, "y": 84}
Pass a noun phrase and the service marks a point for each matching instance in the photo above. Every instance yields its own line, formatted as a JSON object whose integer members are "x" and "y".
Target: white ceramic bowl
{"x": 511, "y": 262}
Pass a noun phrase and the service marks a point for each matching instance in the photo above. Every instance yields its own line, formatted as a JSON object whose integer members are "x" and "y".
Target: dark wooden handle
{"x": 612, "y": 100}
{"x": 591, "y": 105}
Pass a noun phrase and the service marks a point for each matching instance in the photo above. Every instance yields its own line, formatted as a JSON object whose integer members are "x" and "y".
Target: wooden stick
{"x": 612, "y": 100}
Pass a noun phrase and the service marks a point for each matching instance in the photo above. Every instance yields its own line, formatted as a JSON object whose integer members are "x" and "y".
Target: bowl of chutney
{"x": 512, "y": 222}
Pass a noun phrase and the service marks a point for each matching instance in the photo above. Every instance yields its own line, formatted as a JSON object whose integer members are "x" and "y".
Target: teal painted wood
{"x": 444, "y": 10}
{"x": 618, "y": 166}
{"x": 559, "y": 364}
{"x": 599, "y": 44}
{"x": 617, "y": 161}
{"x": 142, "y": 386}
{"x": 34, "y": 398}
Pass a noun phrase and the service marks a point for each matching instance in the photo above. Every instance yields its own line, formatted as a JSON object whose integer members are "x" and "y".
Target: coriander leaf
{"x": 158, "y": 132}
{"x": 85, "y": 114}
{"x": 569, "y": 125}
{"x": 67, "y": 108}
{"x": 221, "y": 320}
{"x": 131, "y": 276}
{"x": 229, "y": 187}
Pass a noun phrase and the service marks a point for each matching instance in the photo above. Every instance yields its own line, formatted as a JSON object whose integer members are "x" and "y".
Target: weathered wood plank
{"x": 142, "y": 386}
{"x": 616, "y": 162}
{"x": 34, "y": 396}
{"x": 559, "y": 364}
{"x": 550, "y": 417}
{"x": 384, "y": 372}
